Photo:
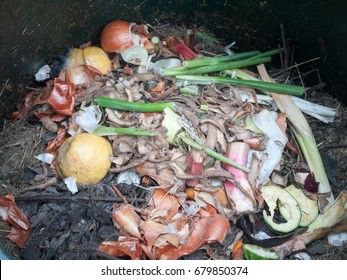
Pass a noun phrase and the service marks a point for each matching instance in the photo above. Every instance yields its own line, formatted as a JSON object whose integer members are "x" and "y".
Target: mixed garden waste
{"x": 217, "y": 145}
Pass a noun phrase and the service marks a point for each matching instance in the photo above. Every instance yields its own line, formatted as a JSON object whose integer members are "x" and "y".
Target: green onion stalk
{"x": 214, "y": 68}
{"x": 268, "y": 53}
{"x": 106, "y": 131}
{"x": 259, "y": 85}
{"x": 218, "y": 59}
{"x": 320, "y": 112}
{"x": 112, "y": 103}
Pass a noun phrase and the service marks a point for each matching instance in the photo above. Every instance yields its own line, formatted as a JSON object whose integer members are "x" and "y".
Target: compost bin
{"x": 36, "y": 33}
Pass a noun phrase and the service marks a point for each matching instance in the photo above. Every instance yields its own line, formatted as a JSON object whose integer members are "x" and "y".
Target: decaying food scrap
{"x": 209, "y": 159}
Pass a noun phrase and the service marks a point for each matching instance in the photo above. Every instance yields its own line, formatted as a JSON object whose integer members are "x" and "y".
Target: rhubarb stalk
{"x": 194, "y": 161}
{"x": 178, "y": 47}
{"x": 240, "y": 192}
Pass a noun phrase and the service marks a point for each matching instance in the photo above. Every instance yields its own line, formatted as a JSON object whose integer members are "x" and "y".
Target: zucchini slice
{"x": 254, "y": 252}
{"x": 309, "y": 207}
{"x": 276, "y": 196}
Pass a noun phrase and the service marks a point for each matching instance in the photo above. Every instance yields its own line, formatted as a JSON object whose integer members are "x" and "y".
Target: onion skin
{"x": 80, "y": 75}
{"x": 115, "y": 36}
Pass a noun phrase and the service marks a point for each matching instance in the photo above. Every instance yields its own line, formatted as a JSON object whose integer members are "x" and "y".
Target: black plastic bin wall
{"x": 33, "y": 32}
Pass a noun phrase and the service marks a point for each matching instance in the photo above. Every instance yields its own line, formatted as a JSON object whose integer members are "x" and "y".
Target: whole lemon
{"x": 84, "y": 157}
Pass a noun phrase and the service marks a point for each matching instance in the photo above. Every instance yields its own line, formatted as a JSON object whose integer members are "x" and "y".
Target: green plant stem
{"x": 105, "y": 131}
{"x": 190, "y": 90}
{"x": 214, "y": 68}
{"x": 259, "y": 85}
{"x": 132, "y": 106}
{"x": 207, "y": 37}
{"x": 268, "y": 53}
{"x": 219, "y": 59}
{"x": 212, "y": 153}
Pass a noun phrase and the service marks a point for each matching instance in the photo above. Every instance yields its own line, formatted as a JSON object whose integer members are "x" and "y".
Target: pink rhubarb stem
{"x": 194, "y": 161}
{"x": 240, "y": 192}
{"x": 178, "y": 47}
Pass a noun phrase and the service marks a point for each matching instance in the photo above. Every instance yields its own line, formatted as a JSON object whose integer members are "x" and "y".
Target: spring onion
{"x": 322, "y": 113}
{"x": 259, "y": 85}
{"x": 204, "y": 107}
{"x": 268, "y": 53}
{"x": 132, "y": 106}
{"x": 214, "y": 68}
{"x": 190, "y": 90}
{"x": 218, "y": 59}
{"x": 106, "y": 130}
{"x": 207, "y": 37}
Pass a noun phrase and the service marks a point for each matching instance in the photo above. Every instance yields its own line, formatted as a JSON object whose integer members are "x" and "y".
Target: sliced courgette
{"x": 254, "y": 252}
{"x": 309, "y": 208}
{"x": 274, "y": 196}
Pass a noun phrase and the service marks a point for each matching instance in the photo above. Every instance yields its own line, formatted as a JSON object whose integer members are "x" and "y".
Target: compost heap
{"x": 200, "y": 136}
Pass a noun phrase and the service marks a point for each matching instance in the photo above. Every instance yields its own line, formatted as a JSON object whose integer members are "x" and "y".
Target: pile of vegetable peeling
{"x": 204, "y": 135}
